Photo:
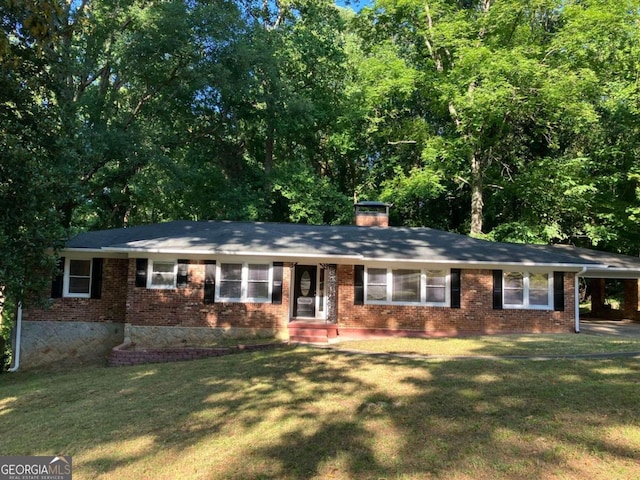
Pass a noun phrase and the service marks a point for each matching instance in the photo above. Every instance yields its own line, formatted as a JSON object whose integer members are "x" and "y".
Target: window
{"x": 514, "y": 288}
{"x": 78, "y": 278}
{"x": 527, "y": 290}
{"x": 231, "y": 280}
{"x": 407, "y": 286}
{"x": 162, "y": 274}
{"x": 321, "y": 292}
{"x": 258, "y": 281}
{"x": 244, "y": 282}
{"x": 377, "y": 284}
{"x": 436, "y": 286}
{"x": 539, "y": 289}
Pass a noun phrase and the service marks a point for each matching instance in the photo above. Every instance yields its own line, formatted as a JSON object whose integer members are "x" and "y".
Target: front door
{"x": 304, "y": 291}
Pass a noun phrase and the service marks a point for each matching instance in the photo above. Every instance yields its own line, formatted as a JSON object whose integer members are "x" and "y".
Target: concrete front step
{"x": 308, "y": 332}
{"x": 313, "y": 332}
{"x": 308, "y": 339}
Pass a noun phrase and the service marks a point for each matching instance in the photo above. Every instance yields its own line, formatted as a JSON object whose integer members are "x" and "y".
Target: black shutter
{"x": 96, "y": 277}
{"x": 141, "y": 272}
{"x": 209, "y": 281}
{"x": 58, "y": 279}
{"x": 276, "y": 290}
{"x": 558, "y": 291}
{"x": 358, "y": 284}
{"x": 455, "y": 288}
{"x": 497, "y": 289}
{"x": 182, "y": 279}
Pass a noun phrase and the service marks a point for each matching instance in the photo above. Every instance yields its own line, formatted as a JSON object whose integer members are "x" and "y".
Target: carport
{"x": 602, "y": 267}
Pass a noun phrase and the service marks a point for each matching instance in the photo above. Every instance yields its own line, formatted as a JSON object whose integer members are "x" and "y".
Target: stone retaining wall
{"x": 47, "y": 343}
{"x": 177, "y": 336}
{"x": 128, "y": 355}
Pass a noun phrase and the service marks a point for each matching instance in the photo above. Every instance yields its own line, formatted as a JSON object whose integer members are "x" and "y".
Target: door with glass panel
{"x": 304, "y": 291}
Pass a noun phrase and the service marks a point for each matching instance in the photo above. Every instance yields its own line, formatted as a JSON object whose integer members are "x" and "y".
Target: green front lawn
{"x": 491, "y": 345}
{"x": 299, "y": 413}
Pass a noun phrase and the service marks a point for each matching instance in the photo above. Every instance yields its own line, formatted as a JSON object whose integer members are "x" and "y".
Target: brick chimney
{"x": 371, "y": 214}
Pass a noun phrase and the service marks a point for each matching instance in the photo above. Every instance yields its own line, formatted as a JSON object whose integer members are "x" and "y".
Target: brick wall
{"x": 122, "y": 301}
{"x": 109, "y": 308}
{"x": 475, "y": 316}
{"x": 371, "y": 219}
{"x": 185, "y": 307}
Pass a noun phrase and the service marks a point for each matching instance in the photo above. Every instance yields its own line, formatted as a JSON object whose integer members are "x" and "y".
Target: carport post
{"x": 630, "y": 305}
{"x": 576, "y": 297}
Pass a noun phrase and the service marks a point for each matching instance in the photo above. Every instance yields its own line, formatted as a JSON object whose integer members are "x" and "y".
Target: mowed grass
{"x": 500, "y": 345}
{"x": 302, "y": 413}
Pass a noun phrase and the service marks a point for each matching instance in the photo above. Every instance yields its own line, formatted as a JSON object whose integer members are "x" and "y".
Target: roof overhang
{"x": 320, "y": 257}
{"x": 565, "y": 267}
{"x": 611, "y": 273}
{"x": 104, "y": 252}
{"x": 293, "y": 256}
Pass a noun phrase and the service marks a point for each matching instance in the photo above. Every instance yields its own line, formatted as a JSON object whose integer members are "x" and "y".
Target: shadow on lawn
{"x": 299, "y": 414}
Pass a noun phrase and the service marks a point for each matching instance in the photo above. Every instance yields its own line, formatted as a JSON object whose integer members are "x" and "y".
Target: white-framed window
{"x": 527, "y": 290}
{"x": 436, "y": 286}
{"x": 244, "y": 282}
{"x": 406, "y": 286}
{"x": 77, "y": 278}
{"x": 376, "y": 285}
{"x": 162, "y": 274}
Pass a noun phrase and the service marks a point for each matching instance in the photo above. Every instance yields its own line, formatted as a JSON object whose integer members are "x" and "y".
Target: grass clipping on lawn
{"x": 300, "y": 413}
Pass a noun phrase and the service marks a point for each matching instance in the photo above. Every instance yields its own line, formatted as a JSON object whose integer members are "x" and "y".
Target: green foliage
{"x": 516, "y": 120}
{"x": 529, "y": 112}
{"x": 410, "y": 194}
{"x": 31, "y": 183}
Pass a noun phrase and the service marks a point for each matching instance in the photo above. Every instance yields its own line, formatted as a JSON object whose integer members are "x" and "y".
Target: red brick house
{"x": 187, "y": 283}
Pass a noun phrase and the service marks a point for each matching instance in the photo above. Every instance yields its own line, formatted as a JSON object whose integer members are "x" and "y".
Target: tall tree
{"x": 508, "y": 89}
{"x": 31, "y": 183}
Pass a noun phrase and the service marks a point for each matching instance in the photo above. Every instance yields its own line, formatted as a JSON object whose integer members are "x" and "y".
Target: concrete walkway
{"x": 622, "y": 328}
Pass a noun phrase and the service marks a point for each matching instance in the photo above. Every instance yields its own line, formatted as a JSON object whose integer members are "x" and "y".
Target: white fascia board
{"x": 138, "y": 252}
{"x": 344, "y": 259}
{"x": 612, "y": 273}
{"x": 92, "y": 252}
{"x": 565, "y": 267}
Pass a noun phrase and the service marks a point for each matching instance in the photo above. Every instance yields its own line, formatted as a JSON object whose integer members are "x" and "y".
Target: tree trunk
{"x": 2, "y": 299}
{"x": 268, "y": 152}
{"x": 477, "y": 200}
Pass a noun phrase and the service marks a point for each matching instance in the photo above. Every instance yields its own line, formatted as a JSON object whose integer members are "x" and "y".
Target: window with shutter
{"x": 406, "y": 286}
{"x": 162, "y": 274}
{"x": 244, "y": 282}
{"x": 77, "y": 278}
{"x": 527, "y": 290}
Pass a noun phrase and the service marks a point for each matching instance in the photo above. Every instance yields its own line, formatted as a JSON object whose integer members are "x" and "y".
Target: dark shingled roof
{"x": 325, "y": 241}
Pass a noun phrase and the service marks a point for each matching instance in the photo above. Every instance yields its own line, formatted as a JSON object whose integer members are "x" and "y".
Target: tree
{"x": 506, "y": 91}
{"x": 30, "y": 175}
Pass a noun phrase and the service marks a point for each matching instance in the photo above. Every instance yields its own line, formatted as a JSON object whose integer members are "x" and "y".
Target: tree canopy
{"x": 515, "y": 120}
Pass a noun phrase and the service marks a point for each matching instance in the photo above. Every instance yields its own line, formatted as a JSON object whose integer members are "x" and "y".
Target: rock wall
{"x": 175, "y": 336}
{"x": 46, "y": 344}
{"x": 126, "y": 357}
